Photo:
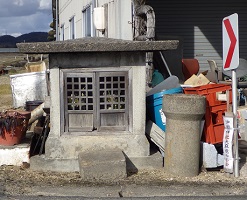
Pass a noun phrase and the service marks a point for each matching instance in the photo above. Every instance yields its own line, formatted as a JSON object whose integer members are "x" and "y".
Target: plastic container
{"x": 169, "y": 83}
{"x": 157, "y": 78}
{"x": 154, "y": 106}
{"x": 210, "y": 91}
{"x": 31, "y": 105}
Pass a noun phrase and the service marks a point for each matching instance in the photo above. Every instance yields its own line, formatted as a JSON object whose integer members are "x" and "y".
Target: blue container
{"x": 154, "y": 107}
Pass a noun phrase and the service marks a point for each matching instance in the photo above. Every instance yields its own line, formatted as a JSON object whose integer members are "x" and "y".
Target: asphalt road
{"x": 145, "y": 198}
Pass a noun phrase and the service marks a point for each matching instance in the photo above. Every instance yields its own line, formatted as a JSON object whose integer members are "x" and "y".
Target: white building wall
{"x": 67, "y": 10}
{"x": 124, "y": 15}
{"x": 119, "y": 17}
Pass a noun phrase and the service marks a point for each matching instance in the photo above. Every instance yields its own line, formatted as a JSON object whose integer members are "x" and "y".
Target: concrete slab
{"x": 15, "y": 155}
{"x": 42, "y": 163}
{"x": 105, "y": 164}
{"x": 133, "y": 164}
{"x": 96, "y": 44}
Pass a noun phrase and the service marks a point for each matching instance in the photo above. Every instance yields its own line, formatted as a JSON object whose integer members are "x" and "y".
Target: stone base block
{"x": 105, "y": 164}
{"x": 91, "y": 163}
{"x": 41, "y": 163}
{"x": 154, "y": 161}
{"x": 210, "y": 157}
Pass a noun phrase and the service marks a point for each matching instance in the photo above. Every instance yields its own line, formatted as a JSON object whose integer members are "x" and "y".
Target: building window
{"x": 62, "y": 33}
{"x": 87, "y": 21}
{"x": 72, "y": 27}
{"x": 96, "y": 101}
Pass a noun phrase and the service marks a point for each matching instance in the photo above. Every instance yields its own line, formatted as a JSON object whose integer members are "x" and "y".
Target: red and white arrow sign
{"x": 230, "y": 42}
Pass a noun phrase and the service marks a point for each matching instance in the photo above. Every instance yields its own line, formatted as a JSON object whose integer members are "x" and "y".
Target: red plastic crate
{"x": 217, "y": 117}
{"x": 215, "y": 109}
{"x": 214, "y": 126}
{"x": 210, "y": 91}
{"x": 214, "y": 134}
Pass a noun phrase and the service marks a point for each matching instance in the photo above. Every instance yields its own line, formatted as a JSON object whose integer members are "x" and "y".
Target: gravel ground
{"x": 24, "y": 181}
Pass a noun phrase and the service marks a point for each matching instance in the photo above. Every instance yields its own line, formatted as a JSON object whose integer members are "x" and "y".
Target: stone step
{"x": 104, "y": 164}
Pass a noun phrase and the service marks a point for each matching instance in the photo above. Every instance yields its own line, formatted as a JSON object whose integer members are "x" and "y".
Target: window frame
{"x": 72, "y": 30}
{"x": 87, "y": 21}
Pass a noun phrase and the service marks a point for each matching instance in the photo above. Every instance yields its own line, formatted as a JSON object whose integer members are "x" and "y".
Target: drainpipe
{"x": 94, "y": 5}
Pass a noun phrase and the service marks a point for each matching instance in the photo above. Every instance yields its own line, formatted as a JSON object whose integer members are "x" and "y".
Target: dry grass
{"x": 6, "y": 100}
{"x": 11, "y": 58}
{"x": 5, "y": 89}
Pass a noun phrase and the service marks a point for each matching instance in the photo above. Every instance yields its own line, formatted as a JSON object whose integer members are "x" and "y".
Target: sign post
{"x": 231, "y": 62}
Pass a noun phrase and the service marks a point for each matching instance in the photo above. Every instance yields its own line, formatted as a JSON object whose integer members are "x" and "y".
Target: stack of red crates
{"x": 214, "y": 125}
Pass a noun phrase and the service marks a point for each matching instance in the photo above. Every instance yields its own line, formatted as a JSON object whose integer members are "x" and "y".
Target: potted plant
{"x": 13, "y": 126}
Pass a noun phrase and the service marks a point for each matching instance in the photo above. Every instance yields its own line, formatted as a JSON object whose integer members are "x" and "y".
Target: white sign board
{"x": 228, "y": 144}
{"x": 230, "y": 42}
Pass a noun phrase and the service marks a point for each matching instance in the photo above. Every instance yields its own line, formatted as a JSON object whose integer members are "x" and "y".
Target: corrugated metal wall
{"x": 199, "y": 23}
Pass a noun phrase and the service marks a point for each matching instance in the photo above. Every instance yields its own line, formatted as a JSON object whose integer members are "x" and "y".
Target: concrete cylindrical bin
{"x": 183, "y": 125}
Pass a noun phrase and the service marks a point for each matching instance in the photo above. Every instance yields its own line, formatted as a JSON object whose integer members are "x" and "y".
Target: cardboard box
{"x": 197, "y": 80}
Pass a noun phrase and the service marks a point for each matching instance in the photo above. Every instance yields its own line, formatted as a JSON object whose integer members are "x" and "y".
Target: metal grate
{"x": 112, "y": 92}
{"x": 80, "y": 93}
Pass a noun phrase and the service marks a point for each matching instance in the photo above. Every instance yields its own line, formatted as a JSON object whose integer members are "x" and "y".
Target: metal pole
{"x": 57, "y": 20}
{"x": 235, "y": 124}
{"x": 167, "y": 68}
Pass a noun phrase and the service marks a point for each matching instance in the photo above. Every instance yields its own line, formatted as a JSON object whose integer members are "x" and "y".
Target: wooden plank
{"x": 156, "y": 134}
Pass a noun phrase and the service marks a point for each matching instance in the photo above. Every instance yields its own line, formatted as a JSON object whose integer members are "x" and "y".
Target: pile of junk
{"x": 215, "y": 86}
{"x": 26, "y": 126}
